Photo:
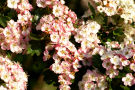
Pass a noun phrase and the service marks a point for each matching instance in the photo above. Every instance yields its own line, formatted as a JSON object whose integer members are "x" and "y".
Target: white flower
{"x": 132, "y": 66}
{"x": 112, "y": 73}
{"x": 93, "y": 26}
{"x": 57, "y": 68}
{"x": 128, "y": 80}
{"x": 57, "y": 10}
{"x": 54, "y": 37}
{"x": 64, "y": 87}
{"x": 62, "y": 52}
{"x": 110, "y": 11}
{"x": 15, "y": 48}
{"x": 7, "y": 32}
{"x": 115, "y": 60}
{"x": 12, "y": 3}
{"x": 100, "y": 8}
{"x": 89, "y": 86}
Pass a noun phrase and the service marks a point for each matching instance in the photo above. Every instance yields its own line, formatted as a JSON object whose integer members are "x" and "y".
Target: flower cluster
{"x": 50, "y": 3}
{"x": 15, "y": 36}
{"x": 12, "y": 74}
{"x": 60, "y": 26}
{"x": 93, "y": 80}
{"x": 124, "y": 8}
{"x": 86, "y": 34}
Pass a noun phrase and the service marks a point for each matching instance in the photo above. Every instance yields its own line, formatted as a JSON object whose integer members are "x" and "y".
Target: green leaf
{"x": 118, "y": 31}
{"x": 92, "y": 9}
{"x": 97, "y": 62}
{"x": 100, "y": 19}
{"x": 3, "y": 20}
{"x": 33, "y": 51}
{"x": 109, "y": 83}
{"x": 124, "y": 87}
{"x": 36, "y": 37}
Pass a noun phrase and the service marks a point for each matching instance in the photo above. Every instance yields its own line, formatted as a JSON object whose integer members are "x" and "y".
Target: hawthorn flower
{"x": 78, "y": 38}
{"x": 62, "y": 52}
{"x": 12, "y": 3}
{"x": 64, "y": 87}
{"x": 57, "y": 68}
{"x": 112, "y": 72}
{"x": 15, "y": 48}
{"x": 93, "y": 26}
{"x": 57, "y": 10}
{"x": 89, "y": 86}
{"x": 110, "y": 11}
{"x": 107, "y": 64}
{"x": 100, "y": 8}
{"x": 7, "y": 32}
{"x": 132, "y": 66}
{"x": 54, "y": 37}
{"x": 128, "y": 79}
{"x": 115, "y": 60}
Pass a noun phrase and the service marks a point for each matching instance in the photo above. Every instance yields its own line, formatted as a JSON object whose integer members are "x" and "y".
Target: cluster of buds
{"x": 15, "y": 36}
{"x": 12, "y": 74}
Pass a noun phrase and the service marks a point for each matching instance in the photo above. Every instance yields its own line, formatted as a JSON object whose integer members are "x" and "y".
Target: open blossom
{"x": 112, "y": 72}
{"x": 107, "y": 64}
{"x": 54, "y": 37}
{"x": 62, "y": 52}
{"x": 57, "y": 68}
{"x": 132, "y": 66}
{"x": 57, "y": 10}
{"x": 128, "y": 79}
{"x": 115, "y": 60}
{"x": 12, "y": 3}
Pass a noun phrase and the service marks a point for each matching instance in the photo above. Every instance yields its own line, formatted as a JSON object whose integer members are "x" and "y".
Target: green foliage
{"x": 100, "y": 19}
{"x": 124, "y": 87}
{"x": 3, "y": 20}
{"x": 92, "y": 10}
{"x": 97, "y": 63}
{"x": 118, "y": 31}
{"x": 33, "y": 50}
{"x": 109, "y": 80}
